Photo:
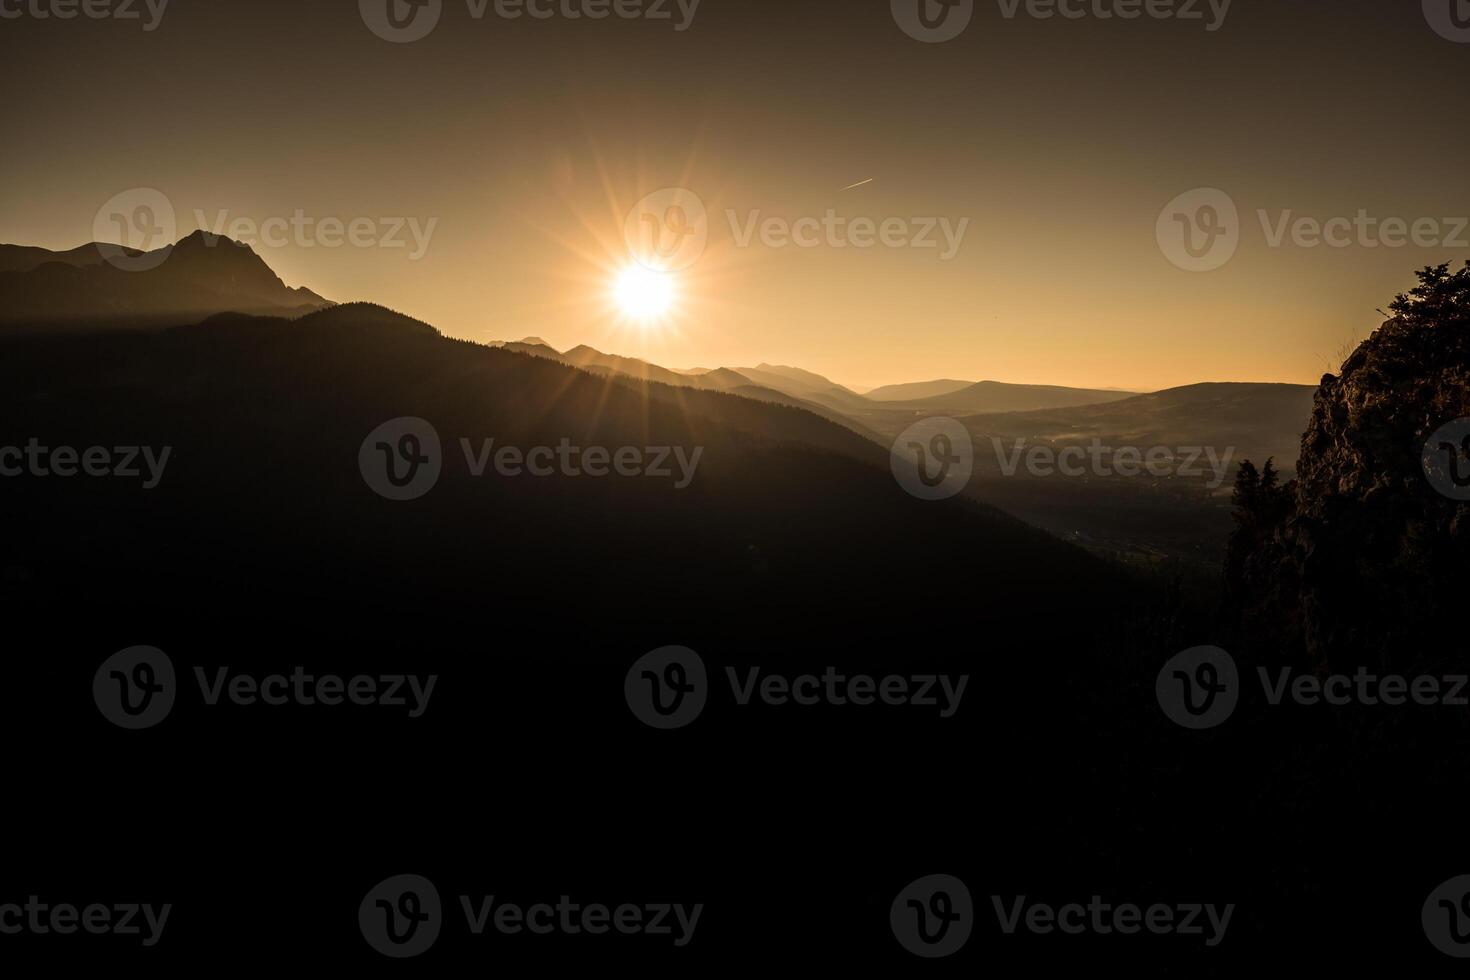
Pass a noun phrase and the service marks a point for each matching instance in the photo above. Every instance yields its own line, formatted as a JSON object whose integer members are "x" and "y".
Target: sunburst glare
{"x": 643, "y": 294}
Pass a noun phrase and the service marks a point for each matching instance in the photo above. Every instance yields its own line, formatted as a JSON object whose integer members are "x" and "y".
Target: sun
{"x": 642, "y": 293}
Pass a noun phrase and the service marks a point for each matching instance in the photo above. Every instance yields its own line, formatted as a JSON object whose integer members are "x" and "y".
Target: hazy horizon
{"x": 523, "y": 145}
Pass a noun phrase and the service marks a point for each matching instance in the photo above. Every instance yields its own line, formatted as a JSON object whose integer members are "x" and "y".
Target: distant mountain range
{"x": 1256, "y": 421}
{"x": 101, "y": 285}
{"x": 748, "y": 383}
{"x": 997, "y": 396}
{"x": 213, "y": 280}
{"x": 24, "y": 258}
{"x": 1150, "y": 518}
{"x": 817, "y": 393}
{"x": 915, "y": 390}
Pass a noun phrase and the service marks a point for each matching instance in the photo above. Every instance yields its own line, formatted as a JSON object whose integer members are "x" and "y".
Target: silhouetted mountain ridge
{"x": 265, "y": 417}
{"x": 25, "y": 258}
{"x": 998, "y": 396}
{"x": 198, "y": 276}
{"x": 915, "y": 390}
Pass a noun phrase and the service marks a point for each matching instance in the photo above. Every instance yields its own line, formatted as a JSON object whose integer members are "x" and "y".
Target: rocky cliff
{"x": 1367, "y": 561}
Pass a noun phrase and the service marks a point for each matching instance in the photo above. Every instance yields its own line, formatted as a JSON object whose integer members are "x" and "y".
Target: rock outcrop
{"x": 1368, "y": 562}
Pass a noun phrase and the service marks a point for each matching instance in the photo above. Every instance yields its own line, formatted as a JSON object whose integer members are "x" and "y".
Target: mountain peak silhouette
{"x": 99, "y": 286}
{"x": 359, "y": 316}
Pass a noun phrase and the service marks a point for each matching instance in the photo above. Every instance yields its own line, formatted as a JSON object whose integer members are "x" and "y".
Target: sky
{"x": 1067, "y": 156}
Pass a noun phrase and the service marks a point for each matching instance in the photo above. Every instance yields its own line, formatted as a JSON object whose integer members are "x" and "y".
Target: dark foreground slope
{"x": 265, "y": 419}
{"x": 263, "y": 548}
{"x": 792, "y": 549}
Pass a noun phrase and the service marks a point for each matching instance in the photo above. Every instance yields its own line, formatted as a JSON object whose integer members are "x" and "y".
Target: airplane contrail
{"x": 859, "y": 183}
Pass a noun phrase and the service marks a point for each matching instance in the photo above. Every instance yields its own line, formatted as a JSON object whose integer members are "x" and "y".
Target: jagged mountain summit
{"x": 102, "y": 285}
